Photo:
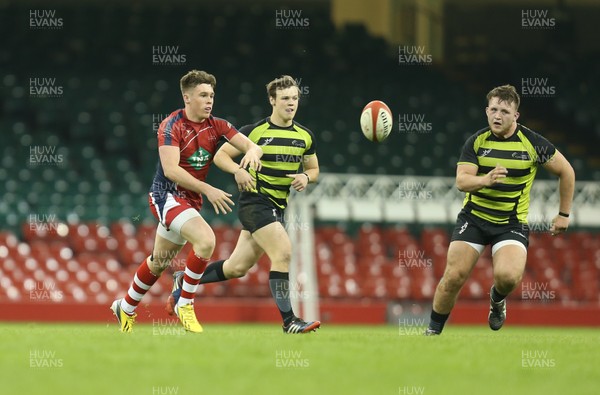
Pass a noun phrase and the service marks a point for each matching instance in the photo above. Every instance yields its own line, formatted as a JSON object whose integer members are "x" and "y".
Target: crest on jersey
{"x": 267, "y": 141}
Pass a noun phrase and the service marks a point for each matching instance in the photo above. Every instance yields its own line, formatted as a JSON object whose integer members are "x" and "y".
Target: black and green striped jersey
{"x": 283, "y": 151}
{"x": 520, "y": 154}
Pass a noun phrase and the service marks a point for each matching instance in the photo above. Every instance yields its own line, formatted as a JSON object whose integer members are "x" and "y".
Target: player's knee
{"x": 454, "y": 280}
{"x": 204, "y": 247}
{"x": 507, "y": 279}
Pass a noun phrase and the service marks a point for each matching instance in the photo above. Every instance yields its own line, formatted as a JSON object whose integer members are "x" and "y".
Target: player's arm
{"x": 467, "y": 179}
{"x": 310, "y": 174}
{"x": 169, "y": 159}
{"x": 560, "y": 166}
{"x": 253, "y": 152}
{"x": 224, "y": 159}
{"x": 311, "y": 168}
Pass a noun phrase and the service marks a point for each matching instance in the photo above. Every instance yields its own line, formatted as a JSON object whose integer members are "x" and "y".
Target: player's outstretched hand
{"x": 300, "y": 181}
{"x": 559, "y": 225}
{"x": 496, "y": 175}
{"x": 220, "y": 200}
{"x": 244, "y": 180}
{"x": 252, "y": 158}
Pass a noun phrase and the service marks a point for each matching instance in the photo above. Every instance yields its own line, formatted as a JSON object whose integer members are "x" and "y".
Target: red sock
{"x": 194, "y": 268}
{"x": 142, "y": 281}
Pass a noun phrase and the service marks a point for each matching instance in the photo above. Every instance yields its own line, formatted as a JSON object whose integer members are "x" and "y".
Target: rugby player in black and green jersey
{"x": 496, "y": 170}
{"x": 286, "y": 147}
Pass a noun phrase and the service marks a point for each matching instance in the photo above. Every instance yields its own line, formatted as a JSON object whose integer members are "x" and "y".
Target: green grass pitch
{"x": 259, "y": 359}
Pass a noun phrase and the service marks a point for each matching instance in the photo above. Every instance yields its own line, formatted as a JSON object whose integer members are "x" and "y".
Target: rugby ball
{"x": 376, "y": 121}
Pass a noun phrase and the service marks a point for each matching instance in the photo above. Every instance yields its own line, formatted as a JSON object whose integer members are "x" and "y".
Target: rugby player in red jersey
{"x": 187, "y": 143}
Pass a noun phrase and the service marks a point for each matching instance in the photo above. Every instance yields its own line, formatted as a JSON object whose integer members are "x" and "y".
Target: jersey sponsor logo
{"x": 463, "y": 228}
{"x": 485, "y": 152}
{"x": 199, "y": 159}
{"x": 299, "y": 143}
{"x": 520, "y": 155}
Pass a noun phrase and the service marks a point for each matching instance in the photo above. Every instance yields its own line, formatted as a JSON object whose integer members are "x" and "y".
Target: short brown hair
{"x": 196, "y": 77}
{"x": 505, "y": 93}
{"x": 283, "y": 82}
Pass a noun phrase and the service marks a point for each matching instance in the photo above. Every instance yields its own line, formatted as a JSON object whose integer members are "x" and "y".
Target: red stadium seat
{"x": 8, "y": 239}
{"x": 88, "y": 264}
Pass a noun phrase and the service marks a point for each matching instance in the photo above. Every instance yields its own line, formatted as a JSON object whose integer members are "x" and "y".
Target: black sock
{"x": 438, "y": 321}
{"x": 496, "y": 296}
{"x": 280, "y": 290}
{"x": 213, "y": 273}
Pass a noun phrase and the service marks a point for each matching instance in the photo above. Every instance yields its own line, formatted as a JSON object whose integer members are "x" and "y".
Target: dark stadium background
{"x": 74, "y": 225}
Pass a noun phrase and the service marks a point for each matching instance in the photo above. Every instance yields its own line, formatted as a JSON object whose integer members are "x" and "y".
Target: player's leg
{"x": 181, "y": 218}
{"x": 193, "y": 228}
{"x": 460, "y": 261}
{"x": 509, "y": 259}
{"x": 274, "y": 240}
{"x": 197, "y": 231}
{"x": 246, "y": 254}
{"x": 467, "y": 243}
{"x": 509, "y": 266}
{"x": 166, "y": 246}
